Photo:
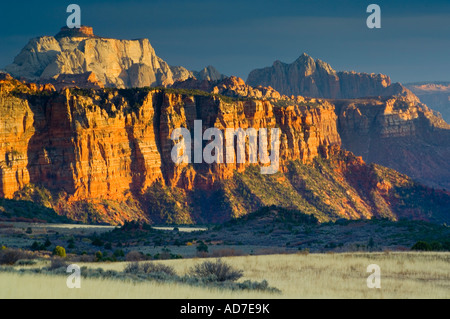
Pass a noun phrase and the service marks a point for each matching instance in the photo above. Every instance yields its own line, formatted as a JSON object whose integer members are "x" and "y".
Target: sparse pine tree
{"x": 202, "y": 247}
{"x": 47, "y": 243}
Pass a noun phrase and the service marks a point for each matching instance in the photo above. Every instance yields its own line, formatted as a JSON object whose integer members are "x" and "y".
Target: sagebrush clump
{"x": 149, "y": 268}
{"x": 217, "y": 270}
{"x": 11, "y": 256}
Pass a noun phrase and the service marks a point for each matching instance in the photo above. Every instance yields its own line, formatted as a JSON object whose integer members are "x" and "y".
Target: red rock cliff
{"x": 108, "y": 144}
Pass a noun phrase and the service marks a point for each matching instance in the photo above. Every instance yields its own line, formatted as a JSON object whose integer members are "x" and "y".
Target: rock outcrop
{"x": 397, "y": 131}
{"x": 103, "y": 145}
{"x": 67, "y": 58}
{"x": 436, "y": 95}
{"x": 399, "y": 134}
{"x": 82, "y": 31}
{"x": 114, "y": 63}
{"x": 209, "y": 73}
{"x": 229, "y": 86}
{"x": 315, "y": 78}
{"x": 105, "y": 155}
{"x": 86, "y": 80}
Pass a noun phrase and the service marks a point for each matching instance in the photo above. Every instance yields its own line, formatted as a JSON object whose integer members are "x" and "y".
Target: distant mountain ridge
{"x": 114, "y": 63}
{"x": 317, "y": 79}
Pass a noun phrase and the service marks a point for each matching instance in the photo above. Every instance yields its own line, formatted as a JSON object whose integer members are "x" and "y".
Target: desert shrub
{"x": 97, "y": 242}
{"x": 132, "y": 268}
{"x": 164, "y": 254}
{"x": 218, "y": 270}
{"x": 270, "y": 251}
{"x": 371, "y": 244}
{"x": 202, "y": 250}
{"x": 118, "y": 253}
{"x": 71, "y": 243}
{"x": 178, "y": 243}
{"x": 87, "y": 258}
{"x": 425, "y": 246}
{"x": 37, "y": 247}
{"x": 446, "y": 245}
{"x": 106, "y": 257}
{"x": 57, "y": 263}
{"x": 202, "y": 247}
{"x": 47, "y": 243}
{"x": 227, "y": 252}
{"x": 150, "y": 268}
{"x": 60, "y": 252}
{"x": 253, "y": 285}
{"x": 25, "y": 262}
{"x": 151, "y": 272}
{"x": 304, "y": 251}
{"x": 436, "y": 246}
{"x": 134, "y": 256}
{"x": 11, "y": 256}
{"x": 421, "y": 246}
{"x": 98, "y": 256}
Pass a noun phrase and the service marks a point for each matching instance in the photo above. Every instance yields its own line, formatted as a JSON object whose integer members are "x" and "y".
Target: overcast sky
{"x": 239, "y": 36}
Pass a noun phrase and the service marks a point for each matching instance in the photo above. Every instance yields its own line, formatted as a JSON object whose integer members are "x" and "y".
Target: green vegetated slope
{"x": 33, "y": 204}
{"x": 278, "y": 230}
{"x": 291, "y": 229}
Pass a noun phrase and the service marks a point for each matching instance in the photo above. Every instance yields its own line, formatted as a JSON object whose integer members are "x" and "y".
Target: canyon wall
{"x": 435, "y": 94}
{"x": 111, "y": 144}
{"x": 399, "y": 134}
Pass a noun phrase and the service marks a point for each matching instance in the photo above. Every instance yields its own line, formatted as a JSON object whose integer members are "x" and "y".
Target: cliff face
{"x": 231, "y": 86}
{"x": 435, "y": 95}
{"x": 315, "y": 78}
{"x": 209, "y": 73}
{"x": 105, "y": 156}
{"x": 77, "y": 57}
{"x": 399, "y": 134}
{"x": 115, "y": 63}
{"x": 110, "y": 144}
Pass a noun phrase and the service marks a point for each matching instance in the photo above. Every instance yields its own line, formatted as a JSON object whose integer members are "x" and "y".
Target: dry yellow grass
{"x": 403, "y": 275}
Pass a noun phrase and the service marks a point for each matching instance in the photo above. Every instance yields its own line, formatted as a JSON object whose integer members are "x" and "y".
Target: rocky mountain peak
{"x": 278, "y": 63}
{"x": 325, "y": 66}
{"x": 78, "y": 57}
{"x": 304, "y": 58}
{"x": 434, "y": 94}
{"x": 317, "y": 79}
{"x": 209, "y": 73}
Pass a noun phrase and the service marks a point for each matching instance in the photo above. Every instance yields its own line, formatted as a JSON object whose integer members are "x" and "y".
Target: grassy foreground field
{"x": 403, "y": 275}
